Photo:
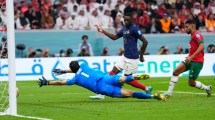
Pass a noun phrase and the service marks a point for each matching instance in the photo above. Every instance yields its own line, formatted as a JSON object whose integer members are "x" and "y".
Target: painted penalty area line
{"x": 180, "y": 92}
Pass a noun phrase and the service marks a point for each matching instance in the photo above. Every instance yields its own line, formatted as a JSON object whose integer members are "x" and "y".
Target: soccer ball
{"x": 17, "y": 91}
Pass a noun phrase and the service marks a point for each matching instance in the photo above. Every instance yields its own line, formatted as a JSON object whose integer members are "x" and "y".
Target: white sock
{"x": 146, "y": 88}
{"x": 173, "y": 81}
{"x": 201, "y": 86}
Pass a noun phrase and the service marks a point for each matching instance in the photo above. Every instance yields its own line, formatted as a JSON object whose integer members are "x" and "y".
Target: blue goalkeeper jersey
{"x": 86, "y": 77}
{"x": 130, "y": 36}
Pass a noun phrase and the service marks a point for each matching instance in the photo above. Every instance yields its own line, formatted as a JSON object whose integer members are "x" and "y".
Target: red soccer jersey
{"x": 196, "y": 39}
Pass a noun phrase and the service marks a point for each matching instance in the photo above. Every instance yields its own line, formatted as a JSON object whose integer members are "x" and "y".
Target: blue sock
{"x": 129, "y": 78}
{"x": 141, "y": 95}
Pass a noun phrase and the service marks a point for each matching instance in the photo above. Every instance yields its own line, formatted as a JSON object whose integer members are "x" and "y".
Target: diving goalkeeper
{"x": 100, "y": 83}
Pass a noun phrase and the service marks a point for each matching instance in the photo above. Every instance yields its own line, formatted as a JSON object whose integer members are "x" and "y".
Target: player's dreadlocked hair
{"x": 74, "y": 66}
{"x": 190, "y": 21}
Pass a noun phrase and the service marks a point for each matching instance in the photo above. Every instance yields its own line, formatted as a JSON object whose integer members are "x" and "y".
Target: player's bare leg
{"x": 174, "y": 79}
{"x": 114, "y": 71}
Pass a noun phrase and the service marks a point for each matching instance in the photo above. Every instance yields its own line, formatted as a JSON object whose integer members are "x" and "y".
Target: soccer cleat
{"x": 157, "y": 96}
{"x": 161, "y": 97}
{"x": 209, "y": 90}
{"x": 141, "y": 77}
{"x": 149, "y": 90}
{"x": 99, "y": 96}
{"x": 164, "y": 98}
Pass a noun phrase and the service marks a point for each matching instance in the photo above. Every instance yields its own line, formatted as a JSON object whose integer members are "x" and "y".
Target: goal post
{"x": 11, "y": 58}
{"x": 8, "y": 98}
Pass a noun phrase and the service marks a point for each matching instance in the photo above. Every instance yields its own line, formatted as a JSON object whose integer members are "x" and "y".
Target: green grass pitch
{"x": 72, "y": 102}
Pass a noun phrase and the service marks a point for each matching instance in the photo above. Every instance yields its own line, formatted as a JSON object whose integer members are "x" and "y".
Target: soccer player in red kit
{"x": 194, "y": 61}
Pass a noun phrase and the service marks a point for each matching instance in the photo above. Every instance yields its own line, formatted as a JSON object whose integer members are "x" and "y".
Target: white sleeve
{"x": 18, "y": 24}
{"x": 58, "y": 23}
{"x": 76, "y": 24}
{"x": 28, "y": 25}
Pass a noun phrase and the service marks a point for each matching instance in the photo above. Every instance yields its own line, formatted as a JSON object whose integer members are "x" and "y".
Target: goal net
{"x": 4, "y": 99}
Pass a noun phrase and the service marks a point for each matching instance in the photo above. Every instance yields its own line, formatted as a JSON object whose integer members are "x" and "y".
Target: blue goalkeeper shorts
{"x": 110, "y": 86}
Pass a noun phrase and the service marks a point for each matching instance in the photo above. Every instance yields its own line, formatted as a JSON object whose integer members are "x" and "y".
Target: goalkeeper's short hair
{"x": 74, "y": 66}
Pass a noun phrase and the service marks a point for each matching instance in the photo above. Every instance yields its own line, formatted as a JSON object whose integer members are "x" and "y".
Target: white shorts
{"x": 130, "y": 66}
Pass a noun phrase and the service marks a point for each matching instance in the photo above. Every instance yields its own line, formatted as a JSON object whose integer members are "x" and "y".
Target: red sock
{"x": 137, "y": 84}
{"x": 111, "y": 73}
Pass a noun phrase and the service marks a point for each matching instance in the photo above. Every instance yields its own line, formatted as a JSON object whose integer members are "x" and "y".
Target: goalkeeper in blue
{"x": 100, "y": 83}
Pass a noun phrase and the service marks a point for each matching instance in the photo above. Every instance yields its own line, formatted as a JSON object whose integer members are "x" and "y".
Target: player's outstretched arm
{"x": 111, "y": 36}
{"x": 43, "y": 82}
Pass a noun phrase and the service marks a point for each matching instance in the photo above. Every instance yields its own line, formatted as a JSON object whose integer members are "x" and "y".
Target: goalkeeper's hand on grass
{"x": 58, "y": 72}
{"x": 43, "y": 82}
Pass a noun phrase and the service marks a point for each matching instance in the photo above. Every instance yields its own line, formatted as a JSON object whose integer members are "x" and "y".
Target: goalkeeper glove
{"x": 59, "y": 72}
{"x": 43, "y": 82}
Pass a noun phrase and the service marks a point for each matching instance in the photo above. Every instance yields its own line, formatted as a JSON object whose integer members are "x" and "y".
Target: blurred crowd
{"x": 152, "y": 16}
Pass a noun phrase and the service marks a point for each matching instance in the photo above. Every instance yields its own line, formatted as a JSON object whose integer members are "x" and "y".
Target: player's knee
{"x": 115, "y": 70}
{"x": 175, "y": 73}
{"x": 191, "y": 83}
{"x": 122, "y": 79}
{"x": 127, "y": 94}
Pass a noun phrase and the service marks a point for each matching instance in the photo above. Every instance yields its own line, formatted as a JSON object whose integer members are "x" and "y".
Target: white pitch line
{"x": 181, "y": 92}
{"x": 31, "y": 117}
{"x": 22, "y": 116}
